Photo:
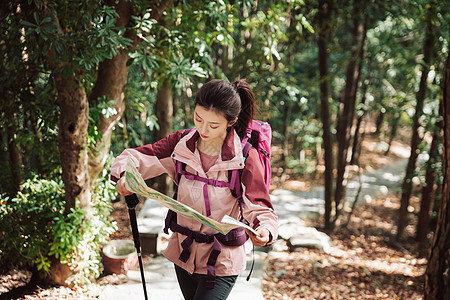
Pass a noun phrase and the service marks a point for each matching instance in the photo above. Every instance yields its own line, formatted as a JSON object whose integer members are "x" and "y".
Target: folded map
{"x": 136, "y": 184}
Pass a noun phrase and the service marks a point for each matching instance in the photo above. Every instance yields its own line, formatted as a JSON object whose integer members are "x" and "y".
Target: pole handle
{"x": 131, "y": 200}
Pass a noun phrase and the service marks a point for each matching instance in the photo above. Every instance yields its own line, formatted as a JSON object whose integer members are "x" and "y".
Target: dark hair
{"x": 232, "y": 100}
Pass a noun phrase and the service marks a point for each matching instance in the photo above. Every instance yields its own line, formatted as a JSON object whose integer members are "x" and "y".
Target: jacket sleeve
{"x": 150, "y": 160}
{"x": 258, "y": 209}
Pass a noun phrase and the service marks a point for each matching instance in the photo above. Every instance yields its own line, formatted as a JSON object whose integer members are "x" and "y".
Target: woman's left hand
{"x": 262, "y": 239}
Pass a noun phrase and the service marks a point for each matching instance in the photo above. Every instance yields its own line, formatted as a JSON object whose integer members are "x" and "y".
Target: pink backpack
{"x": 259, "y": 135}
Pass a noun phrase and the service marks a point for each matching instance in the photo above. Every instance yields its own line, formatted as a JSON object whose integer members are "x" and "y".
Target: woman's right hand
{"x": 120, "y": 186}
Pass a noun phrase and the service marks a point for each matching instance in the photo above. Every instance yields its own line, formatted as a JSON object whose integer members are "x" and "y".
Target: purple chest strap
{"x": 206, "y": 181}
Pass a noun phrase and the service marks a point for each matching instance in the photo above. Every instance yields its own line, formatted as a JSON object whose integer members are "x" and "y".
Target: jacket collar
{"x": 230, "y": 157}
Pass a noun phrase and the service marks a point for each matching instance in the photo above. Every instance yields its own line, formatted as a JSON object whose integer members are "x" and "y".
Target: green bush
{"x": 35, "y": 230}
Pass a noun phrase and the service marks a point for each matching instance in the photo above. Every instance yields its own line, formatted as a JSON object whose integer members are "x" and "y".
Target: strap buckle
{"x": 203, "y": 238}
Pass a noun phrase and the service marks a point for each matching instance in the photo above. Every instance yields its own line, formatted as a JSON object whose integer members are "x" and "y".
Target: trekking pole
{"x": 132, "y": 200}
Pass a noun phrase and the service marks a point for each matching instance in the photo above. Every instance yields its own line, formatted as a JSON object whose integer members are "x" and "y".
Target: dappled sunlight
{"x": 389, "y": 204}
{"x": 392, "y": 177}
{"x": 353, "y": 270}
{"x": 388, "y": 265}
{"x": 386, "y": 226}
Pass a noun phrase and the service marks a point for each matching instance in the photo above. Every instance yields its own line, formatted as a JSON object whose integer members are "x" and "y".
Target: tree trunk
{"x": 428, "y": 189}
{"x": 415, "y": 139}
{"x": 126, "y": 142}
{"x": 359, "y": 137}
{"x": 345, "y": 120}
{"x": 285, "y": 145}
{"x": 34, "y": 158}
{"x": 437, "y": 278}
{"x": 15, "y": 157}
{"x": 73, "y": 125}
{"x": 164, "y": 113}
{"x": 325, "y": 8}
{"x": 393, "y": 133}
{"x": 111, "y": 81}
{"x": 379, "y": 122}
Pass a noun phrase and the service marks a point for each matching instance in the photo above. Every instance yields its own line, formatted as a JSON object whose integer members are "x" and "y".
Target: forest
{"x": 82, "y": 80}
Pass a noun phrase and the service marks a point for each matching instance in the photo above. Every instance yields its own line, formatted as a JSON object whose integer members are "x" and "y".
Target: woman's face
{"x": 210, "y": 124}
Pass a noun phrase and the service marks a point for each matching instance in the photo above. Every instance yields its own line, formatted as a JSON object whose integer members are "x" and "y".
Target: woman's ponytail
{"x": 232, "y": 100}
{"x": 247, "y": 112}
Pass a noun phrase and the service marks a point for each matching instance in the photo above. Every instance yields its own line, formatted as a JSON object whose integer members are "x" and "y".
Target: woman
{"x": 222, "y": 114}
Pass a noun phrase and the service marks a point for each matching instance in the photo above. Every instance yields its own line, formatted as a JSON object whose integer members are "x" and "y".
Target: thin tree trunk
{"x": 35, "y": 159}
{"x": 428, "y": 189}
{"x": 437, "y": 274}
{"x": 246, "y": 36}
{"x": 125, "y": 131}
{"x": 358, "y": 137}
{"x": 285, "y": 145}
{"x": 415, "y": 139}
{"x": 345, "y": 120}
{"x": 379, "y": 123}
{"x": 393, "y": 133}
{"x": 355, "y": 200}
{"x": 15, "y": 157}
{"x": 164, "y": 113}
{"x": 325, "y": 8}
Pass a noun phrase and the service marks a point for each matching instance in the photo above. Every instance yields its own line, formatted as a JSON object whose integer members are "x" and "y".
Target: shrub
{"x": 35, "y": 231}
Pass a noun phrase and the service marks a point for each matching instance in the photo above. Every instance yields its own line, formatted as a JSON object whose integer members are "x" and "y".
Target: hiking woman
{"x": 200, "y": 161}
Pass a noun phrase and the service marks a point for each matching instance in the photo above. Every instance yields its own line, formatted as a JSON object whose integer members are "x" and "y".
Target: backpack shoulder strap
{"x": 179, "y": 166}
{"x": 234, "y": 176}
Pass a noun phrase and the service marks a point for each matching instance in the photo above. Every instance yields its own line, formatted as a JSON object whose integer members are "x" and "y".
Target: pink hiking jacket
{"x": 154, "y": 159}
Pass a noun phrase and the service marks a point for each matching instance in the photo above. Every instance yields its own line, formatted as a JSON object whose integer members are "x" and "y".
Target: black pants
{"x": 193, "y": 286}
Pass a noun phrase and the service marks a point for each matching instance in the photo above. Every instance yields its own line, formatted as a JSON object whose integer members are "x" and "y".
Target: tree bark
{"x": 437, "y": 275}
{"x": 325, "y": 8}
{"x": 346, "y": 116}
{"x": 428, "y": 190}
{"x": 164, "y": 113}
{"x": 415, "y": 139}
{"x": 73, "y": 126}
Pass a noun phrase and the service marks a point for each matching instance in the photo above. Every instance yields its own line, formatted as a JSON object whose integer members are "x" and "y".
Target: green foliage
{"x": 85, "y": 35}
{"x": 93, "y": 232}
{"x": 103, "y": 108}
{"x": 177, "y": 50}
{"x": 28, "y": 221}
{"x": 36, "y": 232}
